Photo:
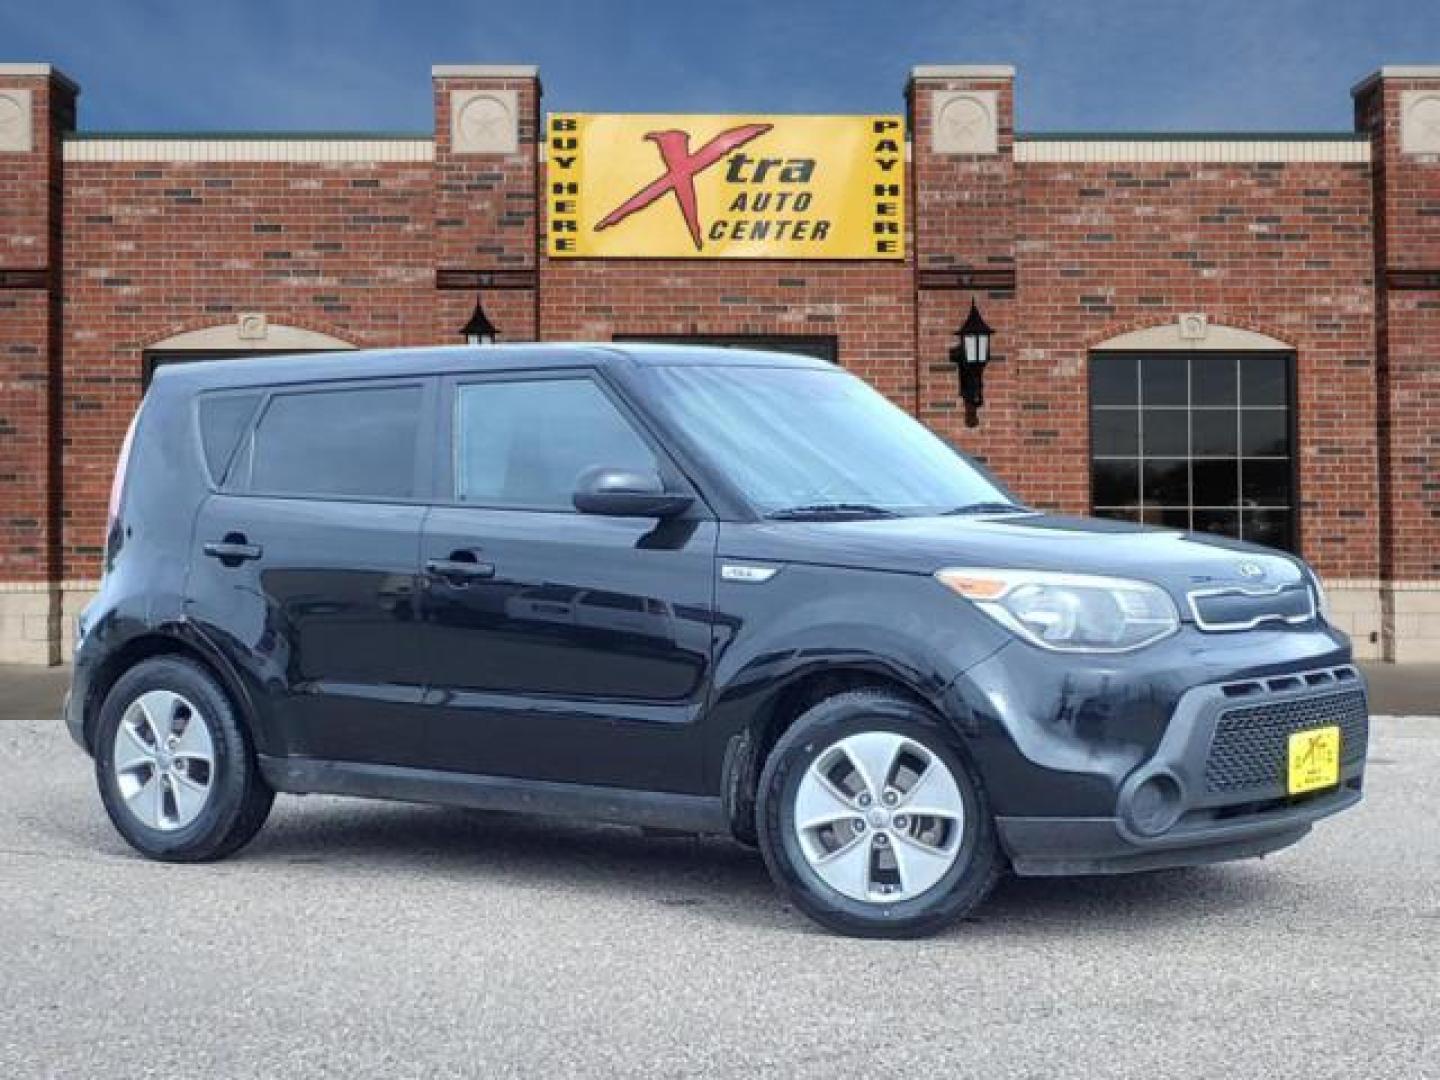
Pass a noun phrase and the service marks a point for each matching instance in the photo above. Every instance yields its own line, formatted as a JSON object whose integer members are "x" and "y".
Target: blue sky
{"x": 364, "y": 64}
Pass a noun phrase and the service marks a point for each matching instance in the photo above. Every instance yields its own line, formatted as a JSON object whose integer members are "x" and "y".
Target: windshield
{"x": 806, "y": 441}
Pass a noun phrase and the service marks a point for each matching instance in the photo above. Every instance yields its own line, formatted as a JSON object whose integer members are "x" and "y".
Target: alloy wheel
{"x": 879, "y": 817}
{"x": 164, "y": 760}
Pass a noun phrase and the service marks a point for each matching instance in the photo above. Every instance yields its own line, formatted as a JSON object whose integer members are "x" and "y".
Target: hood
{"x": 1177, "y": 561}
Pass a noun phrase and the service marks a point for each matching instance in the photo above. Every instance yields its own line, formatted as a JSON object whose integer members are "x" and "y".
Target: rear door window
{"x": 223, "y": 419}
{"x": 526, "y": 443}
{"x": 350, "y": 443}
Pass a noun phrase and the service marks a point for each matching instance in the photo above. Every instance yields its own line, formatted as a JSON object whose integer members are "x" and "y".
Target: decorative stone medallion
{"x": 1420, "y": 121}
{"x": 16, "y": 135}
{"x": 484, "y": 122}
{"x": 252, "y": 326}
{"x": 1194, "y": 326}
{"x": 965, "y": 122}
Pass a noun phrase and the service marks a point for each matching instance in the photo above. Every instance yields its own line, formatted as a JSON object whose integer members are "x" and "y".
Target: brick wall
{"x": 1282, "y": 249}
{"x": 1407, "y": 257}
{"x": 31, "y": 189}
{"x": 158, "y": 248}
{"x": 30, "y": 236}
{"x": 1061, "y": 255}
{"x": 486, "y": 211}
{"x": 1101, "y": 248}
{"x": 866, "y": 307}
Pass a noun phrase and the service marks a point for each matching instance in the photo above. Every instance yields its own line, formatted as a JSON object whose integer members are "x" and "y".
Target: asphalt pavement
{"x": 363, "y": 939}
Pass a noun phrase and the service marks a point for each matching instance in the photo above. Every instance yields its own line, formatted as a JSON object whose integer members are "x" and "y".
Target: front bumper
{"x": 1214, "y": 787}
{"x": 1049, "y": 846}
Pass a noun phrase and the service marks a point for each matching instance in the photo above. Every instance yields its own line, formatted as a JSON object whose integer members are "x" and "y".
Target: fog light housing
{"x": 1154, "y": 805}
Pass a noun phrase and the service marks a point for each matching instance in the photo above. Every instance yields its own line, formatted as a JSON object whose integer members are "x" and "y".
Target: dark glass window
{"x": 223, "y": 419}
{"x": 1212, "y": 433}
{"x": 1195, "y": 441}
{"x": 1116, "y": 433}
{"x": 1265, "y": 433}
{"x": 351, "y": 443}
{"x": 1163, "y": 433}
{"x": 1167, "y": 482}
{"x": 1264, "y": 382}
{"x": 1116, "y": 381}
{"x": 1213, "y": 384}
{"x": 526, "y": 443}
{"x": 1164, "y": 382}
{"x": 1116, "y": 483}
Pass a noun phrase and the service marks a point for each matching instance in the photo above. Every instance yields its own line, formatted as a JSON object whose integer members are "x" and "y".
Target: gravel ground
{"x": 361, "y": 939}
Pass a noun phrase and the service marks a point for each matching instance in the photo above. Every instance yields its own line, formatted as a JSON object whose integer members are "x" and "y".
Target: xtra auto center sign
{"x": 731, "y": 187}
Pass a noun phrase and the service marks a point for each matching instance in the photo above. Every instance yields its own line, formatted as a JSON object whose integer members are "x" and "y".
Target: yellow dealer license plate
{"x": 1314, "y": 760}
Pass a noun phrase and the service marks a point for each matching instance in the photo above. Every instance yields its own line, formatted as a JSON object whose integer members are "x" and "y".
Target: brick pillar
{"x": 37, "y": 105}
{"x": 1400, "y": 108}
{"x": 486, "y": 205}
{"x": 963, "y": 206}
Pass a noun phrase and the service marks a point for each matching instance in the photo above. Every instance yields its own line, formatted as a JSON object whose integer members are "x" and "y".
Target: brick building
{"x": 1230, "y": 332}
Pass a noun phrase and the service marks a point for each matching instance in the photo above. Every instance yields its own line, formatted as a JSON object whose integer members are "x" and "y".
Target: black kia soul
{"x": 703, "y": 590}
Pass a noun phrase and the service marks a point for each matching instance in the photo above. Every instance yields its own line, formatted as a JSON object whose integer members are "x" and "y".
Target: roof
{"x": 267, "y": 370}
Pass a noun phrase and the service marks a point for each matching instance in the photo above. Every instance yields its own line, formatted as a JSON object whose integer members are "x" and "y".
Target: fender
{"x": 797, "y": 637}
{"x": 244, "y": 690}
{"x": 122, "y": 638}
{"x": 758, "y": 719}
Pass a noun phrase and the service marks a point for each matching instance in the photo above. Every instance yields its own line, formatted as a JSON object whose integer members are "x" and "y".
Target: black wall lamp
{"x": 479, "y": 330}
{"x": 970, "y": 355}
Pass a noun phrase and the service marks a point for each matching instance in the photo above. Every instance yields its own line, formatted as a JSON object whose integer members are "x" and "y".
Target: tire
{"x": 813, "y": 866}
{"x": 203, "y": 811}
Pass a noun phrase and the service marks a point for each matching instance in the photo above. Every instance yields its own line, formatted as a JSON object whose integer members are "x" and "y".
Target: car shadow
{"x": 713, "y": 878}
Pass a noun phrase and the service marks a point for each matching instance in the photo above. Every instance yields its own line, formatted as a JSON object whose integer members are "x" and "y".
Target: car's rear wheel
{"x": 871, "y": 820}
{"x": 174, "y": 766}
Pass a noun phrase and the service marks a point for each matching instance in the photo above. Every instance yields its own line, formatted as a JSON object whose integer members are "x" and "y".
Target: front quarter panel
{"x": 807, "y": 619}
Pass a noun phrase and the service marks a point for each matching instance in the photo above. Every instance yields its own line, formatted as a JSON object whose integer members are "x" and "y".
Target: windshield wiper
{"x": 989, "y": 508}
{"x": 831, "y": 509}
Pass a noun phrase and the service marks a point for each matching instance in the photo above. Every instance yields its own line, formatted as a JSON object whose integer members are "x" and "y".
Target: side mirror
{"x": 627, "y": 493}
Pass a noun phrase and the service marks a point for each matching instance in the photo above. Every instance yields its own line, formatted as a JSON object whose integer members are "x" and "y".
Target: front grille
{"x": 1239, "y": 608}
{"x": 1250, "y": 748}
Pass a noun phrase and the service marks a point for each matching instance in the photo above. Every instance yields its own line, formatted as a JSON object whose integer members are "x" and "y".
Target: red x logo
{"x": 681, "y": 168}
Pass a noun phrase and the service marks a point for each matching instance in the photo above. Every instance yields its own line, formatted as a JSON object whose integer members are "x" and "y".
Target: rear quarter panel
{"x": 142, "y": 591}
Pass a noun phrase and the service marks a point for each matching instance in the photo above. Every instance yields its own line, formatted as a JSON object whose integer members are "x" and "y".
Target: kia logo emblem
{"x": 1251, "y": 570}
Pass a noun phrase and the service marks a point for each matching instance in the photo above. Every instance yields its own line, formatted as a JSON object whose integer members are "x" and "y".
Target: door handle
{"x": 460, "y": 570}
{"x": 233, "y": 550}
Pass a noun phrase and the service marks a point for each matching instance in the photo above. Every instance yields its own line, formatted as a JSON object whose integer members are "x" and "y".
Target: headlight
{"x": 1322, "y": 600}
{"x": 1069, "y": 612}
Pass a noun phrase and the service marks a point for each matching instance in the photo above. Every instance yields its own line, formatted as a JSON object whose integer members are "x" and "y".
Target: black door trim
{"x": 620, "y": 806}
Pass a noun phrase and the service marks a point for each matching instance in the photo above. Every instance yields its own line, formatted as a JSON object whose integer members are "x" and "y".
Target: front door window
{"x": 527, "y": 443}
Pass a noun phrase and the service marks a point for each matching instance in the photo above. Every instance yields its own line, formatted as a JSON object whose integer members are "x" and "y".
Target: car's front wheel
{"x": 174, "y": 765}
{"x": 871, "y": 820}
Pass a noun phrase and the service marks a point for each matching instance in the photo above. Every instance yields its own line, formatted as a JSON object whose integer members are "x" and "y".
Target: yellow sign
{"x": 1314, "y": 760}
{"x": 727, "y": 187}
